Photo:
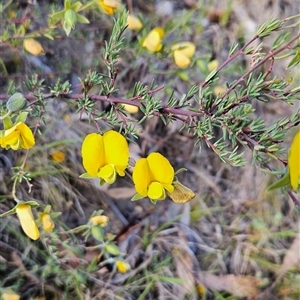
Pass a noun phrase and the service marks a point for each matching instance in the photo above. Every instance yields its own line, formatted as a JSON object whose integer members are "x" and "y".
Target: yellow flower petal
{"x": 212, "y": 65}
{"x": 181, "y": 60}
{"x": 294, "y": 161}
{"x": 18, "y": 136}
{"x": 186, "y": 48}
{"x": 27, "y": 137}
{"x": 10, "y": 295}
{"x": 109, "y": 6}
{"x": 33, "y": 47}
{"x": 152, "y": 176}
{"x": 219, "y": 90}
{"x": 93, "y": 153}
{"x": 141, "y": 177}
{"x": 153, "y": 40}
{"x": 156, "y": 191}
{"x": 131, "y": 108}
{"x": 108, "y": 173}
{"x": 122, "y": 266}
{"x": 134, "y": 23}
{"x": 28, "y": 224}
{"x": 162, "y": 170}
{"x": 105, "y": 155}
{"x": 182, "y": 53}
{"x": 58, "y": 156}
{"x": 10, "y": 137}
{"x": 47, "y": 222}
{"x": 99, "y": 220}
{"x": 116, "y": 151}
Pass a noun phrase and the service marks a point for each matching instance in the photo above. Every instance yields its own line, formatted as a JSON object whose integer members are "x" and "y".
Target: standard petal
{"x": 92, "y": 151}
{"x": 109, "y": 6}
{"x": 141, "y": 176}
{"x": 134, "y": 23}
{"x": 153, "y": 40}
{"x": 186, "y": 48}
{"x": 116, "y": 151}
{"x": 27, "y": 137}
{"x": 161, "y": 169}
{"x": 294, "y": 161}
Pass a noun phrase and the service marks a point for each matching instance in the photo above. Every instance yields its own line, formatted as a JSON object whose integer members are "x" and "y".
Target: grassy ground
{"x": 232, "y": 241}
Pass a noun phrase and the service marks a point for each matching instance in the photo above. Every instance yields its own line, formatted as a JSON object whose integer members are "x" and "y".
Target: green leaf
{"x": 67, "y": 5}
{"x": 48, "y": 36}
{"x": 57, "y": 16}
{"x": 283, "y": 181}
{"x": 82, "y": 19}
{"x": 10, "y": 212}
{"x": 86, "y": 176}
{"x": 67, "y": 28}
{"x": 183, "y": 75}
{"x": 97, "y": 233}
{"x": 112, "y": 249}
{"x": 153, "y": 201}
{"x": 180, "y": 170}
{"x": 22, "y": 117}
{"x": 33, "y": 204}
{"x": 137, "y": 197}
{"x": 170, "y": 279}
{"x": 76, "y": 6}
{"x": 211, "y": 75}
{"x": 296, "y": 59}
{"x": 55, "y": 214}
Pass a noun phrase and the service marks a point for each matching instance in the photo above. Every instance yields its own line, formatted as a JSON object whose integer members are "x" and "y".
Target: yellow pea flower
{"x": 153, "y": 176}
{"x": 131, "y": 108}
{"x": 122, "y": 266}
{"x": 47, "y": 222}
{"x": 99, "y": 220}
{"x": 294, "y": 162}
{"x": 182, "y": 53}
{"x": 219, "y": 90}
{"x": 27, "y": 221}
{"x": 33, "y": 46}
{"x": 18, "y": 136}
{"x": 153, "y": 40}
{"x": 109, "y": 6}
{"x": 104, "y": 156}
{"x": 58, "y": 156}
{"x": 10, "y": 295}
{"x": 212, "y": 65}
{"x": 134, "y": 23}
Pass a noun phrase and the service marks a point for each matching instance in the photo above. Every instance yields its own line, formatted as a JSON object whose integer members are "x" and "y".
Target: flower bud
{"x": 99, "y": 220}
{"x": 16, "y": 102}
{"x": 70, "y": 18}
{"x": 122, "y": 266}
{"x": 48, "y": 224}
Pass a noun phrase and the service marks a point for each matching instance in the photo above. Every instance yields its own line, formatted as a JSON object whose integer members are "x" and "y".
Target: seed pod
{"x": 70, "y": 18}
{"x": 16, "y": 102}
